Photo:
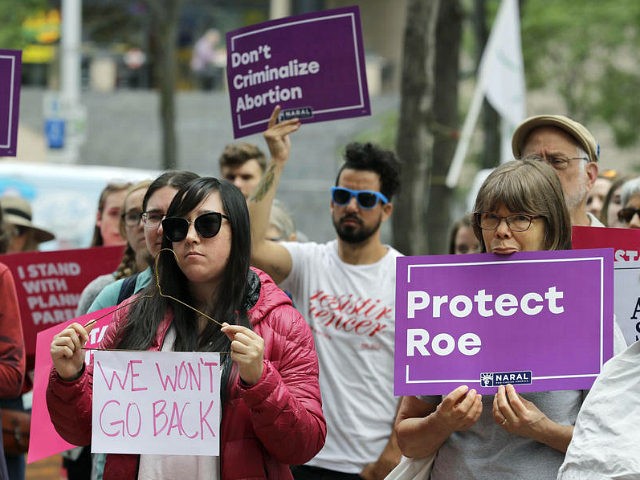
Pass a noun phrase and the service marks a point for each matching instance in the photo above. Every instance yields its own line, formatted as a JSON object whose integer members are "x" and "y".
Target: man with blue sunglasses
{"x": 345, "y": 289}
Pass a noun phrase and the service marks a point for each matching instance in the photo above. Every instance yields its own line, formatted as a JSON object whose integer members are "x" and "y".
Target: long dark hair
{"x": 227, "y": 304}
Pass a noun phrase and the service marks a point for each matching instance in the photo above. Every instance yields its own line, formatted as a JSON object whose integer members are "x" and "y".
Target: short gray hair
{"x": 629, "y": 189}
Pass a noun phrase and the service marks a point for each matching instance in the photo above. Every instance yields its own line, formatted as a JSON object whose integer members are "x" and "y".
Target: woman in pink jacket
{"x": 271, "y": 406}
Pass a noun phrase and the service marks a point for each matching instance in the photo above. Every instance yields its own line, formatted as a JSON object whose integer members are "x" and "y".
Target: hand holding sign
{"x": 247, "y": 350}
{"x": 67, "y": 350}
{"x": 460, "y": 410}
{"x": 517, "y": 415}
{"x": 277, "y": 136}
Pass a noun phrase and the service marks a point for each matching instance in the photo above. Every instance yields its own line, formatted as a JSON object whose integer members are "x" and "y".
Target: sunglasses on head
{"x": 626, "y": 214}
{"x": 366, "y": 199}
{"x": 207, "y": 225}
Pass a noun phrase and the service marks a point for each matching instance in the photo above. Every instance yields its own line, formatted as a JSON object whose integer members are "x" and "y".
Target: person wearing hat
{"x": 571, "y": 150}
{"x": 18, "y": 217}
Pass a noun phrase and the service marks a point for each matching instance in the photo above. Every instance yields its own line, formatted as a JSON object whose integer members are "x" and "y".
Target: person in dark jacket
{"x": 271, "y": 405}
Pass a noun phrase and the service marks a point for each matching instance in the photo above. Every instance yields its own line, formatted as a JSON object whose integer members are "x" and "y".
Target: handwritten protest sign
{"x": 47, "y": 442}
{"x": 540, "y": 320}
{"x": 10, "y": 78}
{"x": 49, "y": 284}
{"x": 165, "y": 403}
{"x": 312, "y": 65}
{"x": 626, "y": 293}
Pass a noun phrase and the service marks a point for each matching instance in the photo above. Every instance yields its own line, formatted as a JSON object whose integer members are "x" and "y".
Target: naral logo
{"x": 300, "y": 112}
{"x": 495, "y": 379}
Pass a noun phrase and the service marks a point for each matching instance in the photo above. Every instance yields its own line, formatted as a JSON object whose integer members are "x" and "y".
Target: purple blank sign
{"x": 311, "y": 65}
{"x": 10, "y": 73}
{"x": 539, "y": 320}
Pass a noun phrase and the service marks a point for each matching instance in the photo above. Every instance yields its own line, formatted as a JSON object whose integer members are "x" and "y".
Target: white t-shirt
{"x": 606, "y": 437}
{"x": 351, "y": 311}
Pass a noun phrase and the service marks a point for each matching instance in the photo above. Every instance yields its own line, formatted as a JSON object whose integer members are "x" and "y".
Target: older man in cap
{"x": 571, "y": 150}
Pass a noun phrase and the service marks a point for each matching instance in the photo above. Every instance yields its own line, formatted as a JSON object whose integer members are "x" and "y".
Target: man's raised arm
{"x": 267, "y": 255}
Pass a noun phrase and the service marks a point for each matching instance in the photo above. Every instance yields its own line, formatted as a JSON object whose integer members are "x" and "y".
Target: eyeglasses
{"x": 626, "y": 214}
{"x": 132, "y": 218}
{"x": 519, "y": 222}
{"x": 207, "y": 225}
{"x": 367, "y": 199}
{"x": 559, "y": 162}
{"x": 152, "y": 219}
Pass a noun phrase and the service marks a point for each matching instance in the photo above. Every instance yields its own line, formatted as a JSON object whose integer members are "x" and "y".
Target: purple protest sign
{"x": 538, "y": 320}
{"x": 10, "y": 73}
{"x": 311, "y": 65}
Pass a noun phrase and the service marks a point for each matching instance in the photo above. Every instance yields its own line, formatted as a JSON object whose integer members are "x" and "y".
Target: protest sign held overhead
{"x": 10, "y": 78}
{"x": 540, "y": 320}
{"x": 311, "y": 65}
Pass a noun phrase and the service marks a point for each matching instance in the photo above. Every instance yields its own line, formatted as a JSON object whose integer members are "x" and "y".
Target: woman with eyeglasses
{"x": 155, "y": 203}
{"x": 271, "y": 406}
{"x": 520, "y": 207}
{"x": 135, "y": 257}
{"x": 78, "y": 461}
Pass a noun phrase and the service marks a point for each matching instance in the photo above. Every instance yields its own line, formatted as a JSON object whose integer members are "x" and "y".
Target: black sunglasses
{"x": 626, "y": 214}
{"x": 207, "y": 225}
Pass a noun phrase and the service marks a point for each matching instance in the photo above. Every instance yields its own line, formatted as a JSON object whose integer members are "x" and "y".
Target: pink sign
{"x": 540, "y": 320}
{"x": 49, "y": 284}
{"x": 47, "y": 442}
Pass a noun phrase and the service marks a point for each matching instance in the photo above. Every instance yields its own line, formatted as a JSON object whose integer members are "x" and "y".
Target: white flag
{"x": 501, "y": 81}
{"x": 501, "y": 72}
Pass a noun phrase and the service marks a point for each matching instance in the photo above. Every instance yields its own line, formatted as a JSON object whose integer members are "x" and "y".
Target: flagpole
{"x": 465, "y": 137}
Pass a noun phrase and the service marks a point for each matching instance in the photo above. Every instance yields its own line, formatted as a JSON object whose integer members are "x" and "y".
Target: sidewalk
{"x": 46, "y": 469}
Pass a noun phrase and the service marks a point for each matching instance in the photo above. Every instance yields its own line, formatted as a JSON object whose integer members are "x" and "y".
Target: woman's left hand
{"x": 515, "y": 414}
{"x": 247, "y": 350}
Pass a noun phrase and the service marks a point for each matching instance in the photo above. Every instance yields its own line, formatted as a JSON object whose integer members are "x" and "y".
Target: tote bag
{"x": 412, "y": 469}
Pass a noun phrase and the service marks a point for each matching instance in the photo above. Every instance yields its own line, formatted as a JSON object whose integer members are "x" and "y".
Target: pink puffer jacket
{"x": 264, "y": 428}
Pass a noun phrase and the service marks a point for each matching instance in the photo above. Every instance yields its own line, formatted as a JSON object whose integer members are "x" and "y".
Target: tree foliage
{"x": 587, "y": 50}
{"x": 12, "y": 15}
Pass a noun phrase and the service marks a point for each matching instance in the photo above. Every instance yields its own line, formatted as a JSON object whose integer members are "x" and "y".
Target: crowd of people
{"x": 306, "y": 330}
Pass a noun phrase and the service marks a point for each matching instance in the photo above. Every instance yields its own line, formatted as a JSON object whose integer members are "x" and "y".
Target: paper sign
{"x": 49, "y": 284}
{"x": 47, "y": 442}
{"x": 312, "y": 65}
{"x": 538, "y": 320}
{"x": 627, "y": 299}
{"x": 624, "y": 241}
{"x": 165, "y": 403}
{"x": 10, "y": 78}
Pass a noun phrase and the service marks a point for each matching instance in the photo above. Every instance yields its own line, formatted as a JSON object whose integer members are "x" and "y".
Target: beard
{"x": 354, "y": 234}
{"x": 575, "y": 198}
